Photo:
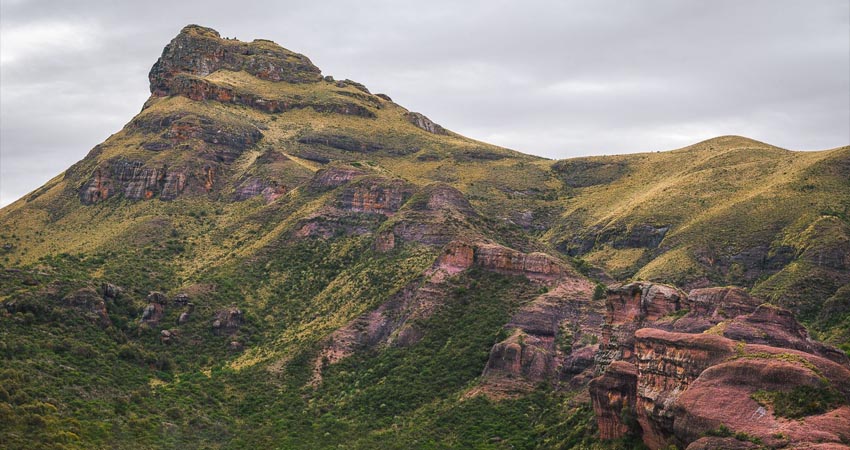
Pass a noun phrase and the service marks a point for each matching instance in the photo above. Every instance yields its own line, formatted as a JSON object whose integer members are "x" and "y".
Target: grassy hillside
{"x": 725, "y": 211}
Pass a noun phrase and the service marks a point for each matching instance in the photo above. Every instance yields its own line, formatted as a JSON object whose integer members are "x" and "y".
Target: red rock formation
{"x": 134, "y": 180}
{"x": 777, "y": 327}
{"x": 535, "y": 266}
{"x": 376, "y": 195}
{"x": 199, "y": 89}
{"x": 201, "y": 51}
{"x": 614, "y": 397}
{"x": 721, "y": 302}
{"x": 688, "y": 384}
{"x": 523, "y": 357}
{"x": 456, "y": 257}
{"x": 668, "y": 363}
{"x": 532, "y": 355}
{"x": 551, "y": 339}
{"x": 334, "y": 177}
{"x": 392, "y": 323}
{"x": 99, "y": 188}
{"x": 435, "y": 216}
{"x": 630, "y": 307}
{"x": 722, "y": 395}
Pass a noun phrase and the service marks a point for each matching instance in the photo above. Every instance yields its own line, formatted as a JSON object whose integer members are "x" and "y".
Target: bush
{"x": 800, "y": 402}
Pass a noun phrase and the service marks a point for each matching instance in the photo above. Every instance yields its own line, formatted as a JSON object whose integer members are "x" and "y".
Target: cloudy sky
{"x": 552, "y": 78}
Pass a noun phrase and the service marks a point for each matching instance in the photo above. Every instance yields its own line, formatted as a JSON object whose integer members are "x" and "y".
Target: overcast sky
{"x": 551, "y": 78}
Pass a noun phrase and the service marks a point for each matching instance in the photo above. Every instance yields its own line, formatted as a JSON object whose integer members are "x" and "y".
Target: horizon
{"x": 470, "y": 86}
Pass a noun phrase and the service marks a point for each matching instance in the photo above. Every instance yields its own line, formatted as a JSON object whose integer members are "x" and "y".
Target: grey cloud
{"x": 553, "y": 78}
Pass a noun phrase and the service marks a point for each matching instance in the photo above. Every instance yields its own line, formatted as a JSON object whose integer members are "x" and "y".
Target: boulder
{"x": 89, "y": 302}
{"x": 227, "y": 321}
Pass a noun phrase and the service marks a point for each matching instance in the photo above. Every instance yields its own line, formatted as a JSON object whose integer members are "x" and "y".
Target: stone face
{"x": 612, "y": 394}
{"x": 420, "y": 121}
{"x": 777, "y": 327}
{"x": 442, "y": 197}
{"x": 522, "y": 356}
{"x": 536, "y": 266}
{"x": 721, "y": 302}
{"x": 111, "y": 291}
{"x": 376, "y": 196}
{"x": 687, "y": 384}
{"x": 668, "y": 363}
{"x": 134, "y": 180}
{"x": 341, "y": 142}
{"x": 722, "y": 395}
{"x": 228, "y": 321}
{"x": 551, "y": 339}
{"x": 199, "y": 89}
{"x": 629, "y": 307}
{"x": 456, "y": 257}
{"x": 333, "y": 177}
{"x": 90, "y": 303}
{"x": 435, "y": 216}
{"x": 392, "y": 323}
{"x": 201, "y": 51}
{"x": 249, "y": 188}
{"x": 152, "y": 313}
{"x": 641, "y": 236}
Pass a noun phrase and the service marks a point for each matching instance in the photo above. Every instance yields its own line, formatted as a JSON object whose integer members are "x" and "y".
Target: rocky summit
{"x": 269, "y": 257}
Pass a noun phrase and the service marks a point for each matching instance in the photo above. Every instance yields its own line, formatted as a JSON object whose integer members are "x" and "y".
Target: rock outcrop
{"x": 228, "y": 321}
{"x": 535, "y": 266}
{"x": 155, "y": 309}
{"x": 629, "y": 307}
{"x": 375, "y": 195}
{"x": 200, "y": 89}
{"x": 395, "y": 322}
{"x": 679, "y": 367}
{"x": 434, "y": 216}
{"x": 392, "y": 323}
{"x": 89, "y": 302}
{"x": 136, "y": 181}
{"x": 551, "y": 339}
{"x": 614, "y": 398}
{"x": 333, "y": 177}
{"x": 425, "y": 123}
{"x": 201, "y": 51}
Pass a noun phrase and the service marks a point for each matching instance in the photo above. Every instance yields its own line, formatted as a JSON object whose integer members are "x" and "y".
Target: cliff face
{"x": 672, "y": 388}
{"x": 200, "y": 51}
{"x": 552, "y": 339}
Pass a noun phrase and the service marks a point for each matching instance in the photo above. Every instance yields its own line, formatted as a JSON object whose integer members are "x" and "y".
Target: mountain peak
{"x": 199, "y": 51}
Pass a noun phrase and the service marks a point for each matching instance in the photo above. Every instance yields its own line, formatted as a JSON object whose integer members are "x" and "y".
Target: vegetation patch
{"x": 801, "y": 401}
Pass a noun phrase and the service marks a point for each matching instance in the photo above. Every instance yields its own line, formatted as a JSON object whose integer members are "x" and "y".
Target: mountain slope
{"x": 265, "y": 256}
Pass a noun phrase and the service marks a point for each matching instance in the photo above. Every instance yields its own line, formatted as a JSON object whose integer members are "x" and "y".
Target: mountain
{"x": 266, "y": 256}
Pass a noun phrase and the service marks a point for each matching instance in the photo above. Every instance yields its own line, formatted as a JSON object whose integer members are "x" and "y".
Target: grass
{"x": 801, "y": 401}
